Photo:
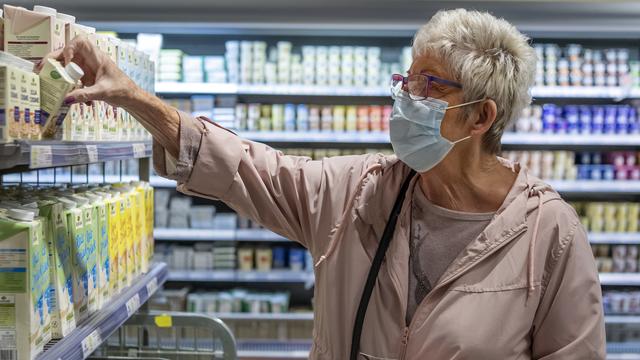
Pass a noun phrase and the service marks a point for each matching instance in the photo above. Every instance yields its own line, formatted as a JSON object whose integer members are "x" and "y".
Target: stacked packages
{"x": 32, "y": 104}
{"x": 65, "y": 253}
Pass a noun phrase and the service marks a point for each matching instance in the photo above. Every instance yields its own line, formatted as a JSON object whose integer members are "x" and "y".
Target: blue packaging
{"x": 608, "y": 172}
{"x": 302, "y": 118}
{"x": 296, "y": 259}
{"x": 560, "y": 127}
{"x": 290, "y": 117}
{"x": 572, "y": 118}
{"x": 308, "y": 261}
{"x": 610, "y": 119}
{"x": 597, "y": 119}
{"x": 584, "y": 172}
{"x": 279, "y": 254}
{"x": 595, "y": 172}
{"x": 622, "y": 119}
{"x": 584, "y": 120}
{"x": 548, "y": 118}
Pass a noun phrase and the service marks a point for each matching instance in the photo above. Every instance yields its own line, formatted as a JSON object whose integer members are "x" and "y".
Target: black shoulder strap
{"x": 375, "y": 266}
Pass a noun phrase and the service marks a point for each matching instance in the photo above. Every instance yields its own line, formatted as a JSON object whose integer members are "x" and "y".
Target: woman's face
{"x": 452, "y": 127}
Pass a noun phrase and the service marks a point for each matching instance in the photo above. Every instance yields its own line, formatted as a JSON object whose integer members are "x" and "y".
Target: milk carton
{"x": 102, "y": 248}
{"x": 90, "y": 259}
{"x": 56, "y": 81}
{"x": 77, "y": 232}
{"x": 54, "y": 210}
{"x": 34, "y": 105}
{"x": 24, "y": 284}
{"x": 10, "y": 105}
{"x": 113, "y": 219}
{"x": 74, "y": 128}
{"x": 32, "y": 34}
{"x": 27, "y": 124}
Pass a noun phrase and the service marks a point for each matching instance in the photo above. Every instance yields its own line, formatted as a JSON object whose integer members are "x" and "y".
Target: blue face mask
{"x": 415, "y": 130}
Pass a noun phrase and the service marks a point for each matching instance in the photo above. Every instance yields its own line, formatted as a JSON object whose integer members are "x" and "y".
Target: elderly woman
{"x": 442, "y": 251}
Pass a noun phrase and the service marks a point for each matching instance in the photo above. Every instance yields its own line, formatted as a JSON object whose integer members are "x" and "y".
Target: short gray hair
{"x": 489, "y": 56}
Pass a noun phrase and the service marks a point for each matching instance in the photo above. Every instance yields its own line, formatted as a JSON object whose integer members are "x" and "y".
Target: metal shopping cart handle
{"x": 161, "y": 320}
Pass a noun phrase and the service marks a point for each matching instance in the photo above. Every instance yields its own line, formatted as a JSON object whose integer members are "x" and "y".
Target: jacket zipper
{"x": 405, "y": 340}
{"x": 407, "y": 330}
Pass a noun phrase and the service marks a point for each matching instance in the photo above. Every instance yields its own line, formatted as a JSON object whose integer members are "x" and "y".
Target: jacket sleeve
{"x": 571, "y": 323}
{"x": 294, "y": 196}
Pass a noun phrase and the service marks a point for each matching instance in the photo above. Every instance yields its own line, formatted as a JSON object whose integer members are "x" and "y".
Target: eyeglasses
{"x": 420, "y": 86}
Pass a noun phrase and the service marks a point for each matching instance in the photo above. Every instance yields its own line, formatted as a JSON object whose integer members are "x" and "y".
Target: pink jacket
{"x": 525, "y": 288}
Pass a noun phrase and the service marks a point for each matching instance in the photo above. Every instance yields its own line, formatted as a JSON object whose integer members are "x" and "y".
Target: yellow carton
{"x": 114, "y": 243}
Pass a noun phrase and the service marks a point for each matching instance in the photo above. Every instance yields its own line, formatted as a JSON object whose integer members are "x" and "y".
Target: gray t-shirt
{"x": 438, "y": 235}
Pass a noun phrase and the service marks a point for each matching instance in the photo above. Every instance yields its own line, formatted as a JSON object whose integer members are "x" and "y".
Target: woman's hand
{"x": 102, "y": 79}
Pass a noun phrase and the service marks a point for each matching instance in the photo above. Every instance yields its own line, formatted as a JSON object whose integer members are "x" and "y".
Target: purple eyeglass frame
{"x": 430, "y": 78}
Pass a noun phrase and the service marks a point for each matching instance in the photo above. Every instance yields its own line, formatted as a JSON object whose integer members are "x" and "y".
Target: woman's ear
{"x": 487, "y": 112}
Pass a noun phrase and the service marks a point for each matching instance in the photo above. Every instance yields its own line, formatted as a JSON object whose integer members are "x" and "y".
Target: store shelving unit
{"x": 238, "y": 276}
{"x": 568, "y": 92}
{"x": 248, "y": 235}
{"x": 100, "y": 325}
{"x": 25, "y": 156}
{"x": 30, "y": 155}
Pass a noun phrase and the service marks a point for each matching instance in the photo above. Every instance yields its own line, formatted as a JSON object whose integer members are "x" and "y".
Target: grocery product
{"x": 32, "y": 34}
{"x": 55, "y": 82}
{"x": 54, "y": 210}
{"x": 24, "y": 285}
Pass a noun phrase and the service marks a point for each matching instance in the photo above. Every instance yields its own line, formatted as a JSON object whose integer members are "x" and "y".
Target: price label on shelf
{"x": 91, "y": 343}
{"x": 133, "y": 304}
{"x": 41, "y": 156}
{"x": 152, "y": 286}
{"x": 92, "y": 153}
{"x": 139, "y": 150}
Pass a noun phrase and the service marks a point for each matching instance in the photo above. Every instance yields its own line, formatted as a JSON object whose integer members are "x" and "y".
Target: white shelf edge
{"x": 622, "y": 319}
{"x": 620, "y": 279}
{"x": 623, "y": 356}
{"x": 245, "y": 235}
{"x": 614, "y": 238}
{"x": 273, "y": 276}
{"x": 276, "y": 355}
{"x": 597, "y": 92}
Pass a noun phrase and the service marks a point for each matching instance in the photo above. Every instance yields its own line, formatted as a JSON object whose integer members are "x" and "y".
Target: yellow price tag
{"x": 163, "y": 321}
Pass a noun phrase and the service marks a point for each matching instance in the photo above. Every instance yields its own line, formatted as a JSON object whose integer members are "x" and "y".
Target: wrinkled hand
{"x": 102, "y": 79}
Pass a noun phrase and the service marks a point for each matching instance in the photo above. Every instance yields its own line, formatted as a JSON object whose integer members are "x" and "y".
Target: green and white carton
{"x": 25, "y": 319}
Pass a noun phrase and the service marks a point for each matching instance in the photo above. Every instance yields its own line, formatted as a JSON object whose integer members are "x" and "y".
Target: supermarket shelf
{"x": 598, "y": 92}
{"x": 314, "y": 137}
{"x": 257, "y": 235}
{"x": 273, "y": 276}
{"x": 275, "y": 355}
{"x": 579, "y": 187}
{"x": 99, "y": 326}
{"x": 596, "y": 186}
{"x": 622, "y": 319}
{"x": 568, "y": 141}
{"x": 303, "y": 316}
{"x": 24, "y": 155}
{"x": 614, "y": 238}
{"x": 620, "y": 279}
{"x": 623, "y": 356}
{"x": 161, "y": 234}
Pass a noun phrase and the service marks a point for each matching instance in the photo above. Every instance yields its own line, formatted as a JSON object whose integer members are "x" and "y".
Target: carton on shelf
{"x": 11, "y": 113}
{"x": 25, "y": 319}
{"x": 30, "y": 34}
{"x": 61, "y": 271}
